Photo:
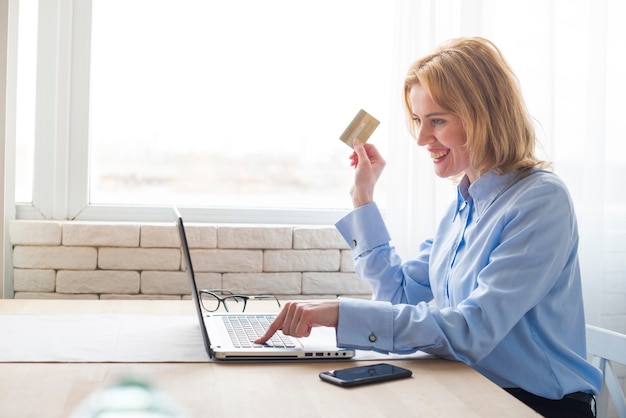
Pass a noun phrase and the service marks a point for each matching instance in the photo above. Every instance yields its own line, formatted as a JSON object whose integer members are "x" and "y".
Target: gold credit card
{"x": 362, "y": 127}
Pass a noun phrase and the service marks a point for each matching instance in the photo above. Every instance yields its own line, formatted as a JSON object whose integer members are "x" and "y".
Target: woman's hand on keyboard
{"x": 297, "y": 318}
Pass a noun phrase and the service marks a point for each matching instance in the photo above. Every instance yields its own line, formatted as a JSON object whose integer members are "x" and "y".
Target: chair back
{"x": 607, "y": 348}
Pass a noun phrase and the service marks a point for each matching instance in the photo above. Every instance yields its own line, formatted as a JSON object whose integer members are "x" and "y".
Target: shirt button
{"x": 372, "y": 338}
{"x": 353, "y": 243}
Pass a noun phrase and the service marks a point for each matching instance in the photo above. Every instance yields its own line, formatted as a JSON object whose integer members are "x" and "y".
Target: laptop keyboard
{"x": 244, "y": 329}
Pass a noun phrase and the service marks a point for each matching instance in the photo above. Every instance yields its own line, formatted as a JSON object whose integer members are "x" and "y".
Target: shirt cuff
{"x": 363, "y": 229}
{"x": 365, "y": 324}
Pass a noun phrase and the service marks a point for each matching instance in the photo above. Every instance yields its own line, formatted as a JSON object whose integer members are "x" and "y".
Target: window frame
{"x": 61, "y": 161}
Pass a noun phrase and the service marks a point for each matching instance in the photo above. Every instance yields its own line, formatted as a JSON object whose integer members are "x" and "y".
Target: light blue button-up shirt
{"x": 503, "y": 273}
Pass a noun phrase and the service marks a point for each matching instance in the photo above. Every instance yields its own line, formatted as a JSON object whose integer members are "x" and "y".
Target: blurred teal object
{"x": 129, "y": 398}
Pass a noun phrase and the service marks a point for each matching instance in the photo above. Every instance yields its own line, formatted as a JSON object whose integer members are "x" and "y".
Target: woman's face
{"x": 442, "y": 134}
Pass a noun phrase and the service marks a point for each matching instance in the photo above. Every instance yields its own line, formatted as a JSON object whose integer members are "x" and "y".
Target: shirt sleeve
{"x": 382, "y": 326}
{"x": 377, "y": 262}
{"x": 367, "y": 324}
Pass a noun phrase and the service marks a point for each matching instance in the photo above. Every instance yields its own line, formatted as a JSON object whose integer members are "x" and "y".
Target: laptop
{"x": 223, "y": 341}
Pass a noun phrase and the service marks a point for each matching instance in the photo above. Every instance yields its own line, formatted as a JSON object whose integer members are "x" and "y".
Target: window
{"x": 227, "y": 107}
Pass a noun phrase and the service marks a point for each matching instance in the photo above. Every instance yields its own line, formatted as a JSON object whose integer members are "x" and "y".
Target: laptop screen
{"x": 192, "y": 280}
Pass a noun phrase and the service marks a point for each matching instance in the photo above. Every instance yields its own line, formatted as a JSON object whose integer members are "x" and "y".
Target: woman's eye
{"x": 437, "y": 121}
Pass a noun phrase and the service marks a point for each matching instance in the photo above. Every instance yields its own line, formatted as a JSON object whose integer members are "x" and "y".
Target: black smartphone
{"x": 361, "y": 375}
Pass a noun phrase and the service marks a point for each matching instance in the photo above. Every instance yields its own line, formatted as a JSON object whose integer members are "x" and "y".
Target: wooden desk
{"x": 438, "y": 388}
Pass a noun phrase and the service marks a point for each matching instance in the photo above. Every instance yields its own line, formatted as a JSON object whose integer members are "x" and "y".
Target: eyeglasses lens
{"x": 209, "y": 302}
{"x": 234, "y": 303}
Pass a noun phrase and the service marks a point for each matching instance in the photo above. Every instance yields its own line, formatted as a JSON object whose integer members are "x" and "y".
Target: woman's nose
{"x": 422, "y": 136}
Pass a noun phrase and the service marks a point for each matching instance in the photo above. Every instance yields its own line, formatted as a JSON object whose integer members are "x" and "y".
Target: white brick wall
{"x": 55, "y": 259}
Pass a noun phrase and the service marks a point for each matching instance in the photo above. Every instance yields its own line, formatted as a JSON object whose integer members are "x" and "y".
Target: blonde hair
{"x": 469, "y": 77}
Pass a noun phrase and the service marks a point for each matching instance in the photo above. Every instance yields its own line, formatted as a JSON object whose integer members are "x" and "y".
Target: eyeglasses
{"x": 211, "y": 300}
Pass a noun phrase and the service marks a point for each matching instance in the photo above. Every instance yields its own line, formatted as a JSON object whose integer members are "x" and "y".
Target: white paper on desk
{"x": 100, "y": 338}
{"x": 116, "y": 339}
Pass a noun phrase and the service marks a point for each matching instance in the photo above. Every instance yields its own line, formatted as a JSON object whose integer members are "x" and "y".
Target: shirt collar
{"x": 463, "y": 196}
{"x": 484, "y": 191}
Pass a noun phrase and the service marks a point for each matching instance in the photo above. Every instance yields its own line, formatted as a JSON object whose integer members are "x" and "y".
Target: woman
{"x": 502, "y": 268}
